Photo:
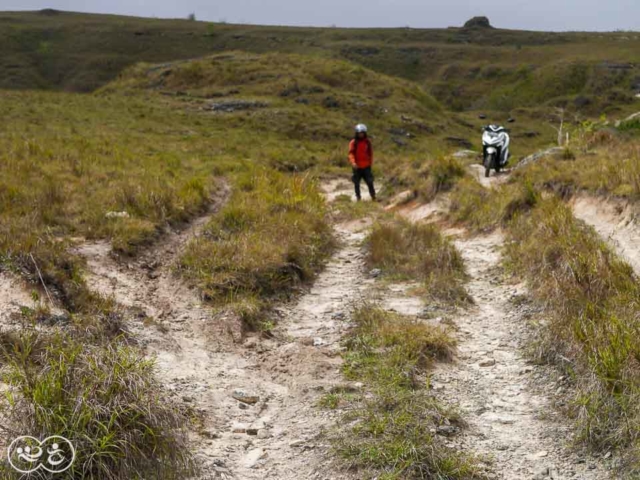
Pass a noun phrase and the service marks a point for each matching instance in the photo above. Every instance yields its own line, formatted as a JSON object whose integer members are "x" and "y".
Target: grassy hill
{"x": 115, "y": 128}
{"x": 463, "y": 68}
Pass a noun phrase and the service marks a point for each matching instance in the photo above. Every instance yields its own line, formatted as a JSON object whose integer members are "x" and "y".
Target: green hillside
{"x": 464, "y": 68}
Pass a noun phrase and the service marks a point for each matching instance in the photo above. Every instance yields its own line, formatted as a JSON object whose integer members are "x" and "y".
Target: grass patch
{"x": 344, "y": 209}
{"x": 483, "y": 209}
{"x": 104, "y": 399}
{"x": 418, "y": 251}
{"x": 602, "y": 161}
{"x": 427, "y": 178}
{"x": 272, "y": 236}
{"x": 592, "y": 300}
{"x": 392, "y": 429}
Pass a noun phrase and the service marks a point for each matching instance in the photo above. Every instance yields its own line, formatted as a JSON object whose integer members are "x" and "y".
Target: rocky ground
{"x": 258, "y": 396}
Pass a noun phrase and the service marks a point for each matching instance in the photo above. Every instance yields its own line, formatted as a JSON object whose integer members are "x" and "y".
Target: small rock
{"x": 244, "y": 397}
{"x": 318, "y": 342}
{"x": 264, "y": 433}
{"x": 447, "y": 430}
{"x": 239, "y": 428}
{"x": 489, "y": 362}
{"x": 297, "y": 443}
{"x": 252, "y": 458}
{"x": 117, "y": 215}
{"x": 375, "y": 273}
{"x": 210, "y": 434}
{"x": 235, "y": 105}
{"x": 542, "y": 472}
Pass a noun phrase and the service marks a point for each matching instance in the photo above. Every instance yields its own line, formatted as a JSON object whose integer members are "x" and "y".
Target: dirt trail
{"x": 495, "y": 179}
{"x": 615, "y": 221}
{"x": 258, "y": 399}
{"x": 507, "y": 402}
{"x": 273, "y": 431}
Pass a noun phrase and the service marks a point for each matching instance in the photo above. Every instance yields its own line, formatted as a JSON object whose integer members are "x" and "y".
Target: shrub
{"x": 105, "y": 400}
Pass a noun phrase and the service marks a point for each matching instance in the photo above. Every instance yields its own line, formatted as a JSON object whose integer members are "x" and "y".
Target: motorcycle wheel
{"x": 488, "y": 164}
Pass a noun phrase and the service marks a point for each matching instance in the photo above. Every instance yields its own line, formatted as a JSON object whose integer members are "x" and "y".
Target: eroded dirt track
{"x": 507, "y": 402}
{"x": 257, "y": 396}
{"x": 615, "y": 221}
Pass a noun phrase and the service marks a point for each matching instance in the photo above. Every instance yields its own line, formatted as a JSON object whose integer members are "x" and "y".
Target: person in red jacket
{"x": 361, "y": 158}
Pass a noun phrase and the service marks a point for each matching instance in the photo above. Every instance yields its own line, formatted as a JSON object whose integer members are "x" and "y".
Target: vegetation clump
{"x": 420, "y": 252}
{"x": 272, "y": 236}
{"x": 102, "y": 398}
{"x": 392, "y": 428}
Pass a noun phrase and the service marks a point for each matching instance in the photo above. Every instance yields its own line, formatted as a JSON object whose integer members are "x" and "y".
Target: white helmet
{"x": 361, "y": 128}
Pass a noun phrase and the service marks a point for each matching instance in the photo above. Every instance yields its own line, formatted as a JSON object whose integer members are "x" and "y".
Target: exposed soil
{"x": 258, "y": 396}
{"x": 13, "y": 295}
{"x": 615, "y": 221}
{"x": 507, "y": 402}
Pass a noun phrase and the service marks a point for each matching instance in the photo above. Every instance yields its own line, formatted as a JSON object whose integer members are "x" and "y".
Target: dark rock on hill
{"x": 478, "y": 22}
{"x": 459, "y": 142}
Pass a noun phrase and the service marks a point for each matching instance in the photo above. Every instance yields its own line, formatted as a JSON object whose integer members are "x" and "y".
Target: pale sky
{"x": 555, "y": 15}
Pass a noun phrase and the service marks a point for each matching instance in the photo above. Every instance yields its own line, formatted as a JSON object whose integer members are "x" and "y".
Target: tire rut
{"x": 257, "y": 397}
{"x": 507, "y": 402}
{"x": 510, "y": 405}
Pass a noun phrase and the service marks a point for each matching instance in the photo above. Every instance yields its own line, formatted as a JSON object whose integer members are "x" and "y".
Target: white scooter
{"x": 495, "y": 148}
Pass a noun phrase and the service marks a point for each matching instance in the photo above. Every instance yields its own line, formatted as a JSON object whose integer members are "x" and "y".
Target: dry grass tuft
{"x": 391, "y": 429}
{"x": 271, "y": 237}
{"x": 418, "y": 251}
{"x": 104, "y": 399}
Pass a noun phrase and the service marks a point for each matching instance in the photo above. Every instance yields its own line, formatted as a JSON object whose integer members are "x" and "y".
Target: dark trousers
{"x": 365, "y": 174}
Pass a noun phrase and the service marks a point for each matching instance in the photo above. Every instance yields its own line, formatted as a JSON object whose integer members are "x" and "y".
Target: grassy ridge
{"x": 420, "y": 252}
{"x": 463, "y": 68}
{"x": 271, "y": 236}
{"x": 391, "y": 432}
{"x": 593, "y": 298}
{"x": 606, "y": 162}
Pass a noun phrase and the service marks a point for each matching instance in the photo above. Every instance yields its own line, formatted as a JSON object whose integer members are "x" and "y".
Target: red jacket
{"x": 362, "y": 156}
